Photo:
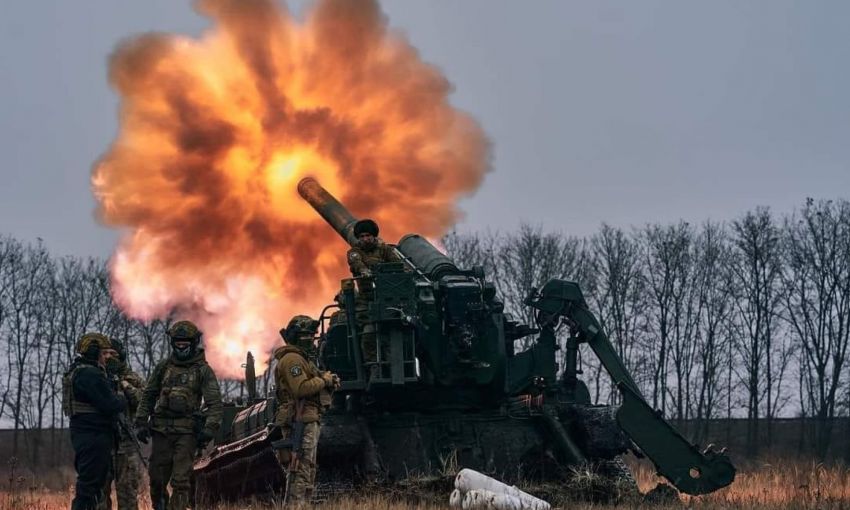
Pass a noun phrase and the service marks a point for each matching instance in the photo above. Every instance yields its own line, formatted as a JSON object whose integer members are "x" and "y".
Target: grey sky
{"x": 625, "y": 112}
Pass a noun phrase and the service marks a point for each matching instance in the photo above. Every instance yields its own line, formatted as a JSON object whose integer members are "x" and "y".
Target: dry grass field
{"x": 776, "y": 485}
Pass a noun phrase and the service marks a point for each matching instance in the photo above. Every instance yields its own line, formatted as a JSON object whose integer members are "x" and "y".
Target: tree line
{"x": 46, "y": 304}
{"x": 746, "y": 319}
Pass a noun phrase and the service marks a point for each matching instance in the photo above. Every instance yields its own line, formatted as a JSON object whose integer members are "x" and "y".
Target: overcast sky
{"x": 624, "y": 112}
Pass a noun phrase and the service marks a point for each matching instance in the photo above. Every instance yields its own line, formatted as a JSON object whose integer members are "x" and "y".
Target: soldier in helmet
{"x": 303, "y": 392}
{"x": 170, "y": 411}
{"x": 368, "y": 251}
{"x": 127, "y": 466}
{"x": 92, "y": 406}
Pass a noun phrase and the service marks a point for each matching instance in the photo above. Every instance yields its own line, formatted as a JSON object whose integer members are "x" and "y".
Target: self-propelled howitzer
{"x": 458, "y": 382}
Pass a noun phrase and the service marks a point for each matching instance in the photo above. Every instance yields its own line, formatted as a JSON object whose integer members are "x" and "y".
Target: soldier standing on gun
{"x": 169, "y": 411}
{"x": 303, "y": 392}
{"x": 127, "y": 463}
{"x": 93, "y": 408}
{"x": 369, "y": 251}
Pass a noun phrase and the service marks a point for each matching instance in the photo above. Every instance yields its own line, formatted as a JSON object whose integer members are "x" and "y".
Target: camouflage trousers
{"x": 172, "y": 456}
{"x": 303, "y": 480}
{"x": 368, "y": 334}
{"x": 127, "y": 470}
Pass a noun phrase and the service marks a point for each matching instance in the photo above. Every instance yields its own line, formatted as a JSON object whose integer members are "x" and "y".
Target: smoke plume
{"x": 216, "y": 132}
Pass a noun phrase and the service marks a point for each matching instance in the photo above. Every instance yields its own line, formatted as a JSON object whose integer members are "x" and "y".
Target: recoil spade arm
{"x": 683, "y": 464}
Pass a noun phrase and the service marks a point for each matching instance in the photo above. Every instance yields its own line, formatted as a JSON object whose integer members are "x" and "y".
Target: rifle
{"x": 128, "y": 429}
{"x": 123, "y": 425}
{"x": 294, "y": 443}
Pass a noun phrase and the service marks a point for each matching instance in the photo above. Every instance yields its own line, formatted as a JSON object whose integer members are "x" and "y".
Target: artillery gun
{"x": 448, "y": 388}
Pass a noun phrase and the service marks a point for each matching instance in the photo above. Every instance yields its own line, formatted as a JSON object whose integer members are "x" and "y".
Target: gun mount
{"x": 456, "y": 378}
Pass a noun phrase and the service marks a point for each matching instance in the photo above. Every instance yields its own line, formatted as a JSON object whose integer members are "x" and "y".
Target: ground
{"x": 781, "y": 484}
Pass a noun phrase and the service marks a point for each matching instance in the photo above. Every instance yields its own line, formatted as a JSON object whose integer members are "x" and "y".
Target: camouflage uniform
{"x": 297, "y": 378}
{"x": 173, "y": 401}
{"x": 127, "y": 467}
{"x": 361, "y": 260}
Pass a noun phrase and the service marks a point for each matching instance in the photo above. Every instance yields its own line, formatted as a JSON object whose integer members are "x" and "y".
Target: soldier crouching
{"x": 303, "y": 392}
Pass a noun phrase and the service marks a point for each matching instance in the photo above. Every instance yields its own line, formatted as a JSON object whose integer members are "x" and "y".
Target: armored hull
{"x": 514, "y": 442}
{"x": 437, "y": 376}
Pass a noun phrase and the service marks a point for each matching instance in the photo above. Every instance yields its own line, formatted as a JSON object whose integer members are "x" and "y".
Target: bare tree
{"x": 9, "y": 258}
{"x": 150, "y": 344}
{"x": 473, "y": 249}
{"x": 713, "y": 279}
{"x": 756, "y": 268}
{"x": 529, "y": 258}
{"x": 30, "y": 272}
{"x": 668, "y": 264}
{"x": 817, "y": 275}
{"x": 619, "y": 297}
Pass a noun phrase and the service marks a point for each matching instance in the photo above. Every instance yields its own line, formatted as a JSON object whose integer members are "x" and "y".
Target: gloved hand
{"x": 366, "y": 273}
{"x": 328, "y": 378}
{"x": 143, "y": 430}
{"x": 203, "y": 438}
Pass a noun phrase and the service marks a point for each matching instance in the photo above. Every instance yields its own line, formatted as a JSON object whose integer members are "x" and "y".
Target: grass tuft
{"x": 776, "y": 485}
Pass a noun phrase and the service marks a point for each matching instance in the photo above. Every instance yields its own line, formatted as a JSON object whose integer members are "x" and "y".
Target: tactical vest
{"x": 70, "y": 405}
{"x": 180, "y": 391}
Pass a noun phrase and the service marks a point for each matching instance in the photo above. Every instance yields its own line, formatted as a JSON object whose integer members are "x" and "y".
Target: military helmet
{"x": 90, "y": 344}
{"x": 185, "y": 330}
{"x": 118, "y": 346}
{"x": 366, "y": 226}
{"x": 300, "y": 331}
{"x": 182, "y": 331}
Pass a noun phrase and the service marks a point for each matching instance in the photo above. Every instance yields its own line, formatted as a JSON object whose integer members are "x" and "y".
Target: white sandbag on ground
{"x": 480, "y": 499}
{"x": 456, "y": 499}
{"x": 468, "y": 480}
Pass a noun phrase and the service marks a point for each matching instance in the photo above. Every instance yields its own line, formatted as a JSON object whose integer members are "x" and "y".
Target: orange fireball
{"x": 215, "y": 134}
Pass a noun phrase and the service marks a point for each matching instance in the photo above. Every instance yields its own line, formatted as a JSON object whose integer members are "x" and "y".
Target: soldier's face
{"x": 366, "y": 238}
{"x": 105, "y": 355}
{"x": 181, "y": 344}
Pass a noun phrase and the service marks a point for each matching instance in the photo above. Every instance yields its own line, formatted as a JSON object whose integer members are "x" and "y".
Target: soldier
{"x": 92, "y": 407}
{"x": 170, "y": 412}
{"x": 369, "y": 251}
{"x": 303, "y": 392}
{"x": 126, "y": 469}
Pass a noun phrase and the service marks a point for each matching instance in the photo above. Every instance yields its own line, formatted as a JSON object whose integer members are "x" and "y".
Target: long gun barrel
{"x": 416, "y": 250}
{"x": 329, "y": 208}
